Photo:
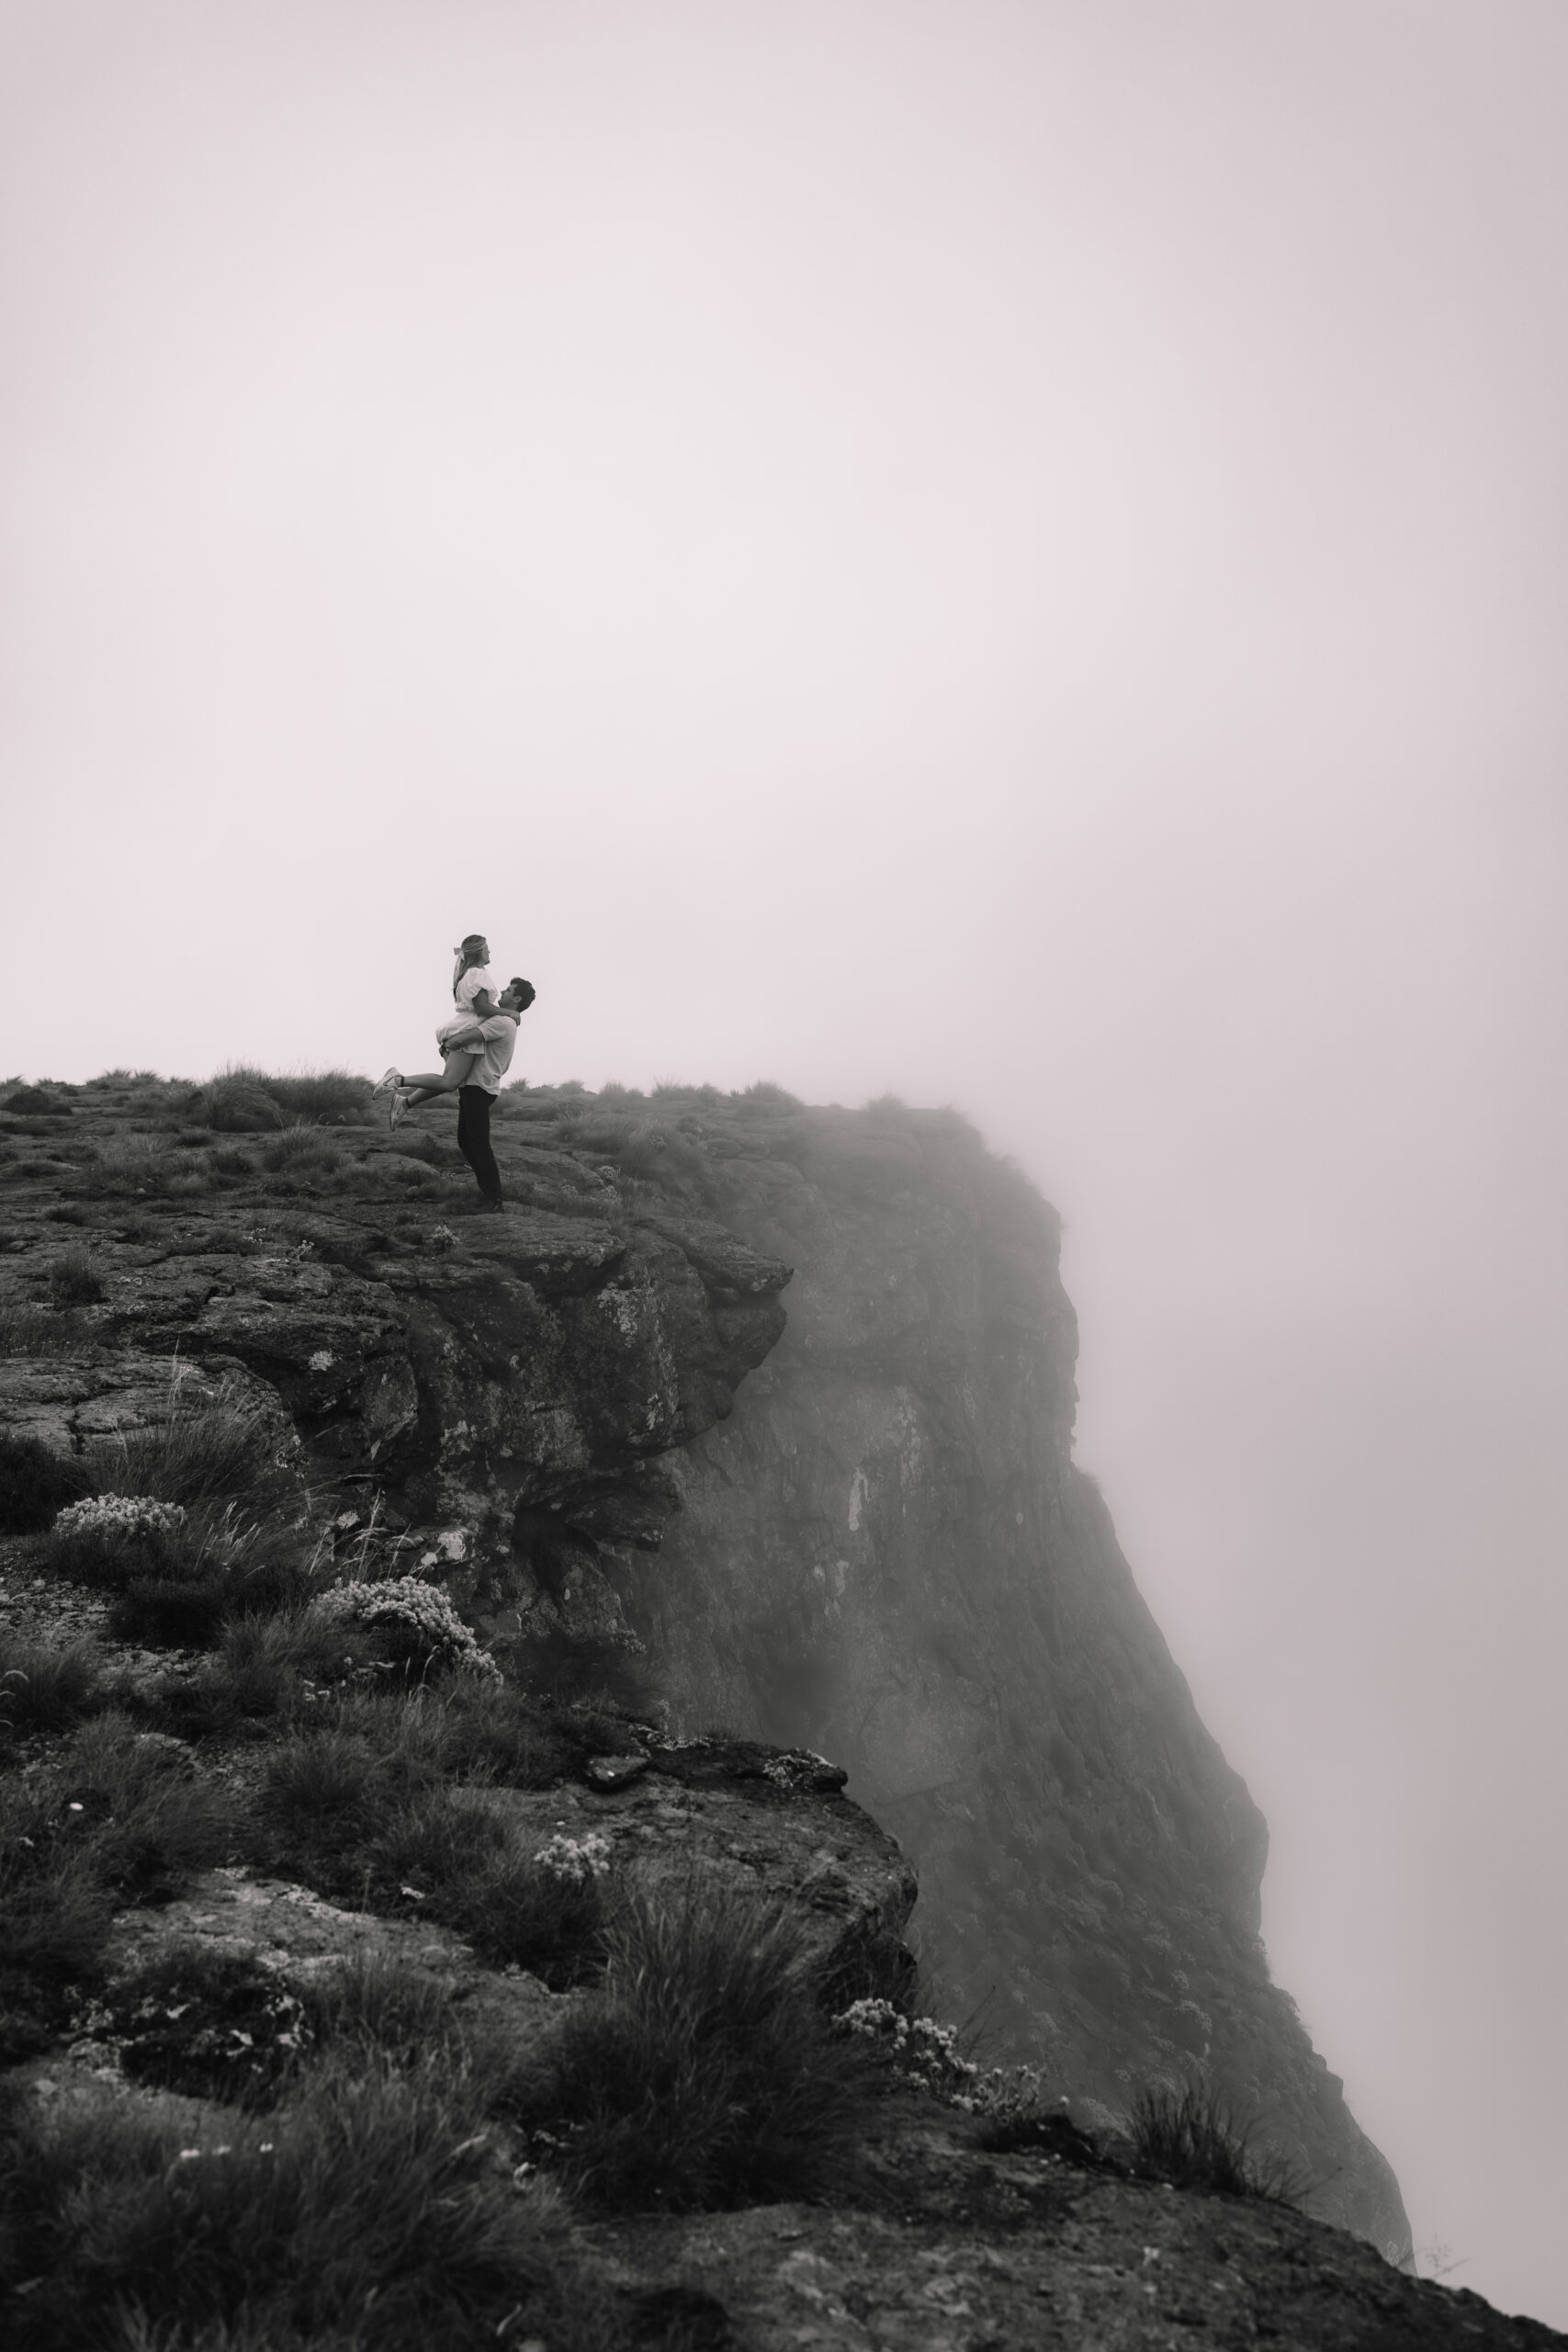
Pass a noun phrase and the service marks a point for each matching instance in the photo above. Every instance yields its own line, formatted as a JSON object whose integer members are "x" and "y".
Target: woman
{"x": 461, "y": 1040}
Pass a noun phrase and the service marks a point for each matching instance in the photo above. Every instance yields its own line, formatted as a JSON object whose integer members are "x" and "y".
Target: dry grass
{"x": 207, "y": 1448}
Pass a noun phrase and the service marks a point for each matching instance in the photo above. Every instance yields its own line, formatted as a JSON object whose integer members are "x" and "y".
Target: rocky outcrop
{"x": 859, "y": 1531}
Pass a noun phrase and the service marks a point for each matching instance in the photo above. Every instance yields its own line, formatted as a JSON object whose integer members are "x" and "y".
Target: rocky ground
{"x": 496, "y": 1391}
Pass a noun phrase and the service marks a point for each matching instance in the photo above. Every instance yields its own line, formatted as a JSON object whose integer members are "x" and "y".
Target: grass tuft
{"x": 1190, "y": 2138}
{"x": 373, "y": 2213}
{"x": 45, "y": 1689}
{"x": 706, "y": 2072}
{"x": 36, "y": 1483}
{"x": 243, "y": 1100}
{"x": 114, "y": 1818}
{"x": 75, "y": 1280}
{"x": 26, "y": 1330}
{"x": 298, "y": 1147}
{"x": 207, "y": 1448}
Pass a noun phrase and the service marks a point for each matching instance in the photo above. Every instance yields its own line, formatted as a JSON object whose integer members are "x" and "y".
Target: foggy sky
{"x": 1011, "y": 553}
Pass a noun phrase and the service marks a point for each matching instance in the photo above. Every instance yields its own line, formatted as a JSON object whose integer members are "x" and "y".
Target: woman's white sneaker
{"x": 389, "y": 1079}
{"x": 397, "y": 1105}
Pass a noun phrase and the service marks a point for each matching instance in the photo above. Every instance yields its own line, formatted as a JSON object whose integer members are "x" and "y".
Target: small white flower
{"x": 322, "y": 1360}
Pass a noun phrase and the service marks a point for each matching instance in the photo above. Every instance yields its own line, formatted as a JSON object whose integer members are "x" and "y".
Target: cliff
{"x": 781, "y": 1403}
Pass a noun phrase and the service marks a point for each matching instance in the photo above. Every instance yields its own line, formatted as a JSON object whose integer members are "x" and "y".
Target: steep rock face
{"x": 888, "y": 1554}
{"x": 517, "y": 1383}
{"x": 877, "y": 1546}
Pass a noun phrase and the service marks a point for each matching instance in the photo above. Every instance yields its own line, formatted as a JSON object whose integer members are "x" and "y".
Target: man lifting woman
{"x": 476, "y": 1044}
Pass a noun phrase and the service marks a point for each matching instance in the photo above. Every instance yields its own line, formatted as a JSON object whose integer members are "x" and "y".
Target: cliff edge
{"x": 854, "y": 1526}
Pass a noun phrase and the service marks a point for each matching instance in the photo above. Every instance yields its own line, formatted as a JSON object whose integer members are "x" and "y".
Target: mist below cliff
{"x": 886, "y": 1553}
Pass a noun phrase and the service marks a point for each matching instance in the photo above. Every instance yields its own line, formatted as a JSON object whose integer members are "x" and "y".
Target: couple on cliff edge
{"x": 476, "y": 1046}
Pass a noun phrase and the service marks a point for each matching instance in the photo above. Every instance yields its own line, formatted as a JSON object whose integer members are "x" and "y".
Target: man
{"x": 475, "y": 1096}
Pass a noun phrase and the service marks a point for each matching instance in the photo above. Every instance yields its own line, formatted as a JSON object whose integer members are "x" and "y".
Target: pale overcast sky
{"x": 1014, "y": 553}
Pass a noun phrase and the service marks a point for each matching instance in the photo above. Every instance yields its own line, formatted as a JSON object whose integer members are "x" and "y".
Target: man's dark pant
{"x": 473, "y": 1140}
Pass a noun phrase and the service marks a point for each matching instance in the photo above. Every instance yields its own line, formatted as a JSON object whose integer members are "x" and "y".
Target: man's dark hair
{"x": 523, "y": 990}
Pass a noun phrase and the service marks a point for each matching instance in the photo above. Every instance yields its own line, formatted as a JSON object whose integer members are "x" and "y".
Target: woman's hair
{"x": 468, "y": 953}
{"x": 523, "y": 991}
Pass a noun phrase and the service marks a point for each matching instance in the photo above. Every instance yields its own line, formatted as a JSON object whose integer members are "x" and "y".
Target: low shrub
{"x": 1190, "y": 2138}
{"x": 116, "y": 1818}
{"x": 321, "y": 1795}
{"x": 168, "y": 1582}
{"x": 362, "y": 1806}
{"x": 244, "y": 1101}
{"x": 44, "y": 1688}
{"x": 371, "y": 2213}
{"x": 34, "y": 1101}
{"x": 918, "y": 2051}
{"x": 489, "y": 1729}
{"x": 420, "y": 1618}
{"x": 228, "y": 1160}
{"x": 151, "y": 1822}
{"x": 298, "y": 1149}
{"x": 207, "y": 2022}
{"x": 646, "y": 1148}
{"x": 704, "y": 2075}
{"x": 541, "y": 1911}
{"x": 74, "y": 1279}
{"x": 54, "y": 1905}
{"x": 766, "y": 1099}
{"x": 238, "y": 1101}
{"x": 36, "y": 1484}
{"x": 333, "y": 1098}
{"x": 267, "y": 1665}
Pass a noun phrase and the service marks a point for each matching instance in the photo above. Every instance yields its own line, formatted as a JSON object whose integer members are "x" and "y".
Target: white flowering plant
{"x": 120, "y": 1518}
{"x": 925, "y": 2052}
{"x": 576, "y": 1861}
{"x": 407, "y": 1605}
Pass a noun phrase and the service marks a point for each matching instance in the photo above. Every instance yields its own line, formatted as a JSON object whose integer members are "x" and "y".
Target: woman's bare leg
{"x": 424, "y": 1085}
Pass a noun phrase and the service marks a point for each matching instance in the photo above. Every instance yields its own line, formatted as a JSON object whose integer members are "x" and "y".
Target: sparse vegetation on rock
{"x": 378, "y": 1966}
